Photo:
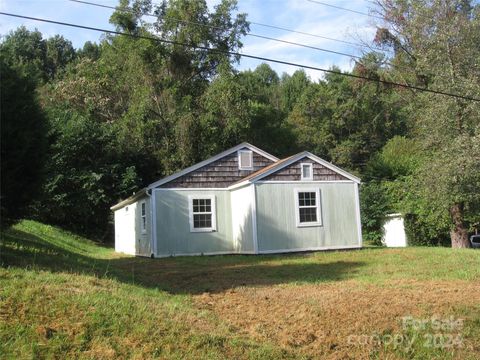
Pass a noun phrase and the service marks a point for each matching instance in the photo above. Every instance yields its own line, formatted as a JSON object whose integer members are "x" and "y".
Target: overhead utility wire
{"x": 313, "y": 35}
{"x": 232, "y": 53}
{"x": 386, "y": 62}
{"x": 249, "y": 34}
{"x": 345, "y": 9}
{"x": 220, "y": 28}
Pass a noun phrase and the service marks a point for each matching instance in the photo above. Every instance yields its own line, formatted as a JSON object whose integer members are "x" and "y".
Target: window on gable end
{"x": 306, "y": 171}
{"x": 245, "y": 160}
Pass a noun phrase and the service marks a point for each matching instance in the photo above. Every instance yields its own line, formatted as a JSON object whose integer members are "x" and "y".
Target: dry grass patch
{"x": 317, "y": 320}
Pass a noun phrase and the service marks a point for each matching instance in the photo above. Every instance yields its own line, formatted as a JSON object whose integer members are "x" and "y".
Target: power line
{"x": 345, "y": 9}
{"x": 313, "y": 35}
{"x": 250, "y": 34}
{"x": 232, "y": 53}
{"x": 127, "y": 9}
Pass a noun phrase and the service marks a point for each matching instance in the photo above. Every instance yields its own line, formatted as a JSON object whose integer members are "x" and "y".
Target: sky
{"x": 300, "y": 15}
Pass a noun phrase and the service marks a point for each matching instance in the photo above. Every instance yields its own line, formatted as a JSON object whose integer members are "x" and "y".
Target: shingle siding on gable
{"x": 219, "y": 174}
{"x": 293, "y": 172}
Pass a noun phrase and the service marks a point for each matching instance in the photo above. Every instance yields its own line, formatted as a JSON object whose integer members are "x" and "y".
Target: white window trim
{"x": 310, "y": 165}
{"x": 214, "y": 213}
{"x": 142, "y": 216}
{"x": 240, "y": 167}
{"x": 318, "y": 207}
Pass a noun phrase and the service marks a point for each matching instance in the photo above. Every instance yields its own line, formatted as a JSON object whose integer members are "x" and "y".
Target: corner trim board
{"x": 153, "y": 209}
{"x": 254, "y": 220}
{"x": 358, "y": 217}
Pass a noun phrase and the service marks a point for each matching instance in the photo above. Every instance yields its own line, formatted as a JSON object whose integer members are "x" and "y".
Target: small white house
{"x": 394, "y": 231}
{"x": 243, "y": 201}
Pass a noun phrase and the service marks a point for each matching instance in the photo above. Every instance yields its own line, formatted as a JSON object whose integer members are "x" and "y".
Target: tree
{"x": 60, "y": 52}
{"x": 25, "y": 51}
{"x": 35, "y": 57}
{"x": 148, "y": 105}
{"x": 292, "y": 87}
{"x": 347, "y": 120}
{"x": 89, "y": 50}
{"x": 85, "y": 174}
{"x": 435, "y": 44}
{"x": 23, "y": 143}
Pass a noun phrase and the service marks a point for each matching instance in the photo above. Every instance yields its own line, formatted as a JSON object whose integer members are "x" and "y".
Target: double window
{"x": 308, "y": 208}
{"x": 202, "y": 213}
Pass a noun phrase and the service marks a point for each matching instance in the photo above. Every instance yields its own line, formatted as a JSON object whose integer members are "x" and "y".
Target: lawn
{"x": 63, "y": 296}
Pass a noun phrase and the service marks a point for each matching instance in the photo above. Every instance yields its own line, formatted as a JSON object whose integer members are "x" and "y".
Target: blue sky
{"x": 300, "y": 15}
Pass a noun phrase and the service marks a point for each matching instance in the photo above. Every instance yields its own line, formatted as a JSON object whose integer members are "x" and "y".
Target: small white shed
{"x": 394, "y": 231}
{"x": 132, "y": 225}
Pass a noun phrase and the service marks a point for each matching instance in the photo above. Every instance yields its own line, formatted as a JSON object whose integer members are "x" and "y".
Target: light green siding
{"x": 276, "y": 217}
{"x": 173, "y": 227}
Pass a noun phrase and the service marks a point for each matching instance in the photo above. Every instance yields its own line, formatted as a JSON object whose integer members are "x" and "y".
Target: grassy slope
{"x": 62, "y": 295}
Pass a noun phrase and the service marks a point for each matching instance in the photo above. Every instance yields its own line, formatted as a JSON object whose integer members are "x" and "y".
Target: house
{"x": 243, "y": 201}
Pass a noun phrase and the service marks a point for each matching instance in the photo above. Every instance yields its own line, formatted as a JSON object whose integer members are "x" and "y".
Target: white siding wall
{"x": 242, "y": 219}
{"x": 129, "y": 237}
{"x": 125, "y": 232}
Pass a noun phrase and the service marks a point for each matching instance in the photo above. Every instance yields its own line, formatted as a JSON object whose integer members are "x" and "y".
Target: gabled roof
{"x": 260, "y": 174}
{"x": 210, "y": 160}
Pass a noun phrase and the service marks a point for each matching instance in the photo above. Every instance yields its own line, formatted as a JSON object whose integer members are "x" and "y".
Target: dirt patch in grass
{"x": 317, "y": 319}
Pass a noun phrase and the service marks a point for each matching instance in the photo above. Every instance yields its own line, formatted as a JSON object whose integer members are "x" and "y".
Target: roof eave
{"x": 130, "y": 200}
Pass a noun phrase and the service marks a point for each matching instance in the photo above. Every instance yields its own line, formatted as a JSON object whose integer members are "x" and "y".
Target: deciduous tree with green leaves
{"x": 23, "y": 143}
{"x": 435, "y": 44}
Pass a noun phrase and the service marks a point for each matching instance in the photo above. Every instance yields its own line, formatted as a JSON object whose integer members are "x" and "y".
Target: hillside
{"x": 64, "y": 296}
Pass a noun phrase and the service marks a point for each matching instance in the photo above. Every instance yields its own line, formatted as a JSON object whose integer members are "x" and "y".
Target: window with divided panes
{"x": 202, "y": 213}
{"x": 308, "y": 207}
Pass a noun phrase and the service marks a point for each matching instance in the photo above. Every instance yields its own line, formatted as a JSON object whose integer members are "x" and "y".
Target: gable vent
{"x": 245, "y": 160}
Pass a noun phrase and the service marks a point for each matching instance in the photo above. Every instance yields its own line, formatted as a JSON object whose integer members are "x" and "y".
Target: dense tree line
{"x": 122, "y": 113}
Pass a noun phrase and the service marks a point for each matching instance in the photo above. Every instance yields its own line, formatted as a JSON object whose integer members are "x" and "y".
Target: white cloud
{"x": 304, "y": 16}
{"x": 300, "y": 15}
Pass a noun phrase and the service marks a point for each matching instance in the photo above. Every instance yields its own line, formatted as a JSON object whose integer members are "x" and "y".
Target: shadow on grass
{"x": 182, "y": 275}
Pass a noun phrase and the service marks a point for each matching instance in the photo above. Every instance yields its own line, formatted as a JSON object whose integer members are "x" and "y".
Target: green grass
{"x": 62, "y": 295}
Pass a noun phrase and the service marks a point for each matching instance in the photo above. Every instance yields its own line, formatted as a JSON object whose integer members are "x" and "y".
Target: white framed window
{"x": 143, "y": 217}
{"x": 202, "y": 213}
{"x": 308, "y": 207}
{"x": 245, "y": 160}
{"x": 306, "y": 171}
